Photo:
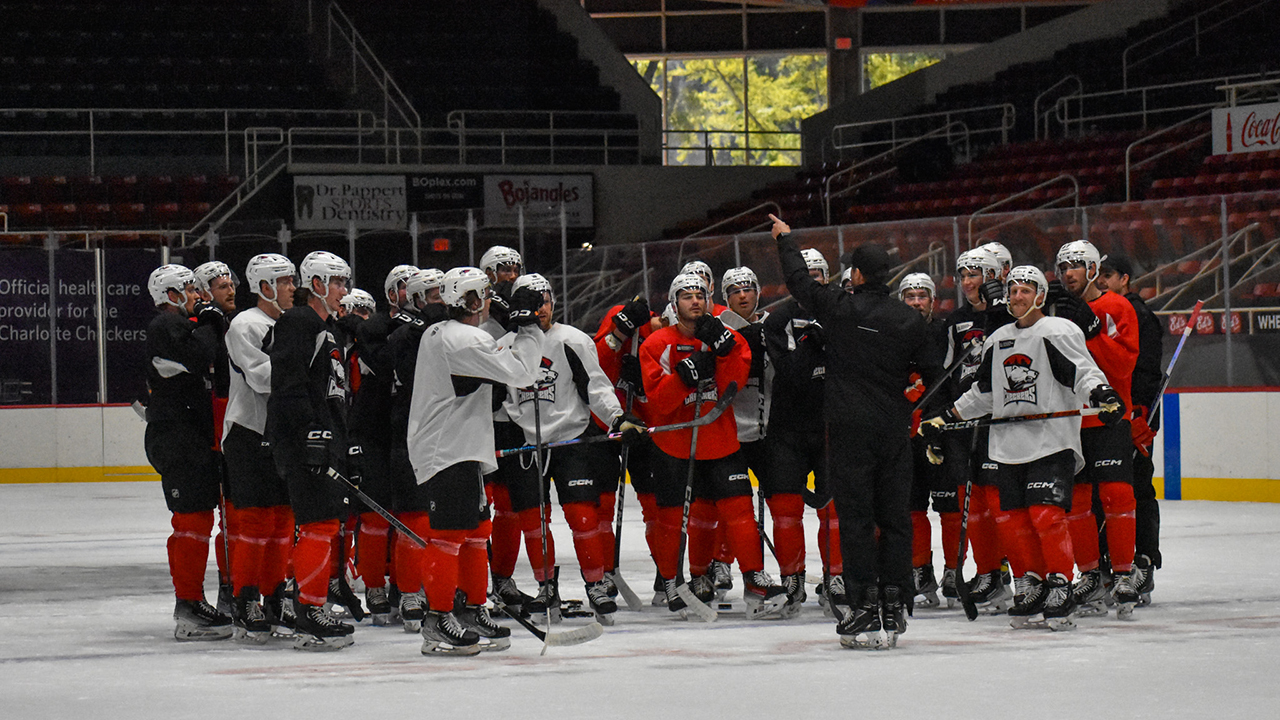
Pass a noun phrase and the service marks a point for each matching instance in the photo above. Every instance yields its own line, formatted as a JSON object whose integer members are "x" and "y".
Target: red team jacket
{"x": 671, "y": 401}
{"x": 1115, "y": 348}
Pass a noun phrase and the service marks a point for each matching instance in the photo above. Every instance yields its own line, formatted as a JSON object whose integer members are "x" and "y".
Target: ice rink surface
{"x": 86, "y": 603}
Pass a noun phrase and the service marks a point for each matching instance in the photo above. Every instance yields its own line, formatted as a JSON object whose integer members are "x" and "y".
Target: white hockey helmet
{"x": 1028, "y": 275}
{"x": 267, "y": 267}
{"x": 738, "y": 277}
{"x": 421, "y": 282}
{"x": 166, "y": 278}
{"x": 984, "y": 261}
{"x": 917, "y": 281}
{"x": 458, "y": 282}
{"x": 1084, "y": 252}
{"x": 1002, "y": 254}
{"x": 500, "y": 255}
{"x": 814, "y": 260}
{"x": 323, "y": 265}
{"x": 669, "y": 314}
{"x": 358, "y": 298}
{"x": 399, "y": 274}
{"x": 700, "y": 269}
{"x": 534, "y": 282}
{"x": 688, "y": 281}
{"x": 206, "y": 273}
{"x": 846, "y": 277}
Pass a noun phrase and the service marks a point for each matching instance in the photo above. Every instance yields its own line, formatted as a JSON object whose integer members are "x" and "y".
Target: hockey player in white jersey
{"x": 571, "y": 387}
{"x": 1038, "y": 364}
{"x": 450, "y": 442}
{"x": 260, "y": 552}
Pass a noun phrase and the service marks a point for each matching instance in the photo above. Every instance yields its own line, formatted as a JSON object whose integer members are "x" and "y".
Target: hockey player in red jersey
{"x": 450, "y": 443}
{"x": 1037, "y": 365}
{"x": 1110, "y": 327}
{"x": 682, "y": 366}
{"x": 179, "y": 444}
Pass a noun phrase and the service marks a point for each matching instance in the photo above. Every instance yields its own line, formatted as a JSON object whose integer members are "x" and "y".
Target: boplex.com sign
{"x": 1247, "y": 128}
{"x": 331, "y": 202}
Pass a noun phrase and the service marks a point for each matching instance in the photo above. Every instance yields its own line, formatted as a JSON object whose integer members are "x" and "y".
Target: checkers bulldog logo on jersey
{"x": 971, "y": 345}
{"x": 546, "y": 387}
{"x": 1020, "y": 380}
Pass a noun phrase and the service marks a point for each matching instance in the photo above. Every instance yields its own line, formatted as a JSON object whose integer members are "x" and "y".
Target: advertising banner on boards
{"x": 541, "y": 197}
{"x": 331, "y": 202}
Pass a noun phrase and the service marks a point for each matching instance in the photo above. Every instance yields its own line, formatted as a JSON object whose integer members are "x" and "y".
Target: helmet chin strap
{"x": 1036, "y": 305}
{"x": 168, "y": 299}
{"x": 275, "y": 295}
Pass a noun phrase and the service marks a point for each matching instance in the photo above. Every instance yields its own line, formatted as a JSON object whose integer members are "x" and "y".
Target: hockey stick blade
{"x": 576, "y": 636}
{"x": 374, "y": 506}
{"x": 730, "y": 391}
{"x": 696, "y": 607}
{"x": 628, "y": 595}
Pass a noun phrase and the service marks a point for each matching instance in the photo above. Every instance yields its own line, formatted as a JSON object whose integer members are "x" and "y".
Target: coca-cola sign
{"x": 1247, "y": 128}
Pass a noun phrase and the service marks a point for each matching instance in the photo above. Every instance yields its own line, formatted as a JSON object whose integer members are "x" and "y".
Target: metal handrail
{"x": 270, "y": 168}
{"x": 1062, "y": 107}
{"x": 1194, "y": 20}
{"x": 1129, "y": 165}
{"x": 1204, "y": 270}
{"x": 1075, "y": 193}
{"x": 1248, "y": 275}
{"x": 899, "y": 271}
{"x": 1035, "y": 107}
{"x": 1008, "y": 118}
{"x": 393, "y": 96}
{"x": 744, "y": 213}
{"x": 827, "y": 194}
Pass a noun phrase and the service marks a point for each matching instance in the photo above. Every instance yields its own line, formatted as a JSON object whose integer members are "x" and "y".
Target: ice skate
{"x": 1089, "y": 594}
{"x": 379, "y": 605}
{"x": 601, "y": 604}
{"x": 198, "y": 620}
{"x": 672, "y": 599}
{"x": 278, "y": 607}
{"x": 949, "y": 592}
{"x": 250, "y": 625}
{"x": 837, "y": 599}
{"x": 1125, "y": 593}
{"x": 611, "y": 583}
{"x": 860, "y": 628}
{"x": 411, "y": 610}
{"x": 722, "y": 575}
{"x": 492, "y": 636}
{"x": 548, "y": 598}
{"x": 659, "y": 591}
{"x": 226, "y": 599}
{"x": 704, "y": 587}
{"x": 1144, "y": 579}
{"x": 989, "y": 593}
{"x": 762, "y": 597}
{"x": 318, "y": 630}
{"x": 504, "y": 589}
{"x": 1028, "y": 602}
{"x": 796, "y": 595}
{"x": 1059, "y": 603}
{"x": 443, "y": 634}
{"x": 893, "y": 616}
{"x": 926, "y": 586}
{"x": 342, "y": 602}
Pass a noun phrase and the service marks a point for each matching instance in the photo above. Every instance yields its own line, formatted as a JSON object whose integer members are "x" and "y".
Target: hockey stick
{"x": 989, "y": 421}
{"x": 542, "y": 505}
{"x": 576, "y": 636}
{"x": 1168, "y": 373}
{"x": 700, "y": 610}
{"x": 760, "y": 524}
{"x": 628, "y": 595}
{"x": 374, "y": 506}
{"x": 725, "y": 399}
{"x": 937, "y": 384}
{"x": 962, "y": 590}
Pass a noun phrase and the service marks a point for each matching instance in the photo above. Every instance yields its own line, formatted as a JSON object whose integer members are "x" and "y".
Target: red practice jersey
{"x": 1115, "y": 348}
{"x": 671, "y": 401}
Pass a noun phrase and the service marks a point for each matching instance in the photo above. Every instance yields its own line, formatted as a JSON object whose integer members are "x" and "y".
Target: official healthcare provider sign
{"x": 330, "y": 202}
{"x": 1245, "y": 129}
{"x": 541, "y": 197}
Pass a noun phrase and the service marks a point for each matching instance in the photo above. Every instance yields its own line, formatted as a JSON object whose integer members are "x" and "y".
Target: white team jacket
{"x": 1041, "y": 369}
{"x": 250, "y": 371}
{"x": 751, "y": 404}
{"x": 563, "y": 414}
{"x": 450, "y": 412}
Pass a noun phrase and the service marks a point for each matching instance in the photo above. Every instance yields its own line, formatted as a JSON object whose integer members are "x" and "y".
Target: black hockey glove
{"x": 632, "y": 315}
{"x": 1078, "y": 311}
{"x": 316, "y": 453}
{"x": 209, "y": 315}
{"x": 500, "y": 302}
{"x": 1057, "y": 291}
{"x": 697, "y": 368}
{"x": 524, "y": 307}
{"x": 813, "y": 333}
{"x": 931, "y": 429}
{"x": 1106, "y": 397}
{"x": 631, "y": 427}
{"x": 991, "y": 291}
{"x": 711, "y": 331}
{"x": 629, "y": 377}
{"x": 355, "y": 464}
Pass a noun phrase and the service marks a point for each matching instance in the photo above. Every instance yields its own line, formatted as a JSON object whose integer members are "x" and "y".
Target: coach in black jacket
{"x": 873, "y": 343}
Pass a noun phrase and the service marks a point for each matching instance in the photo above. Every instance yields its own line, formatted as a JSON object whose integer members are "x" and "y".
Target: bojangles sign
{"x": 1247, "y": 128}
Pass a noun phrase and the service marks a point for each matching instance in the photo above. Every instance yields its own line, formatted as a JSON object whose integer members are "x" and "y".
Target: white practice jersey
{"x": 1044, "y": 368}
{"x": 248, "y": 340}
{"x": 450, "y": 418}
{"x": 568, "y": 360}
{"x": 751, "y": 404}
